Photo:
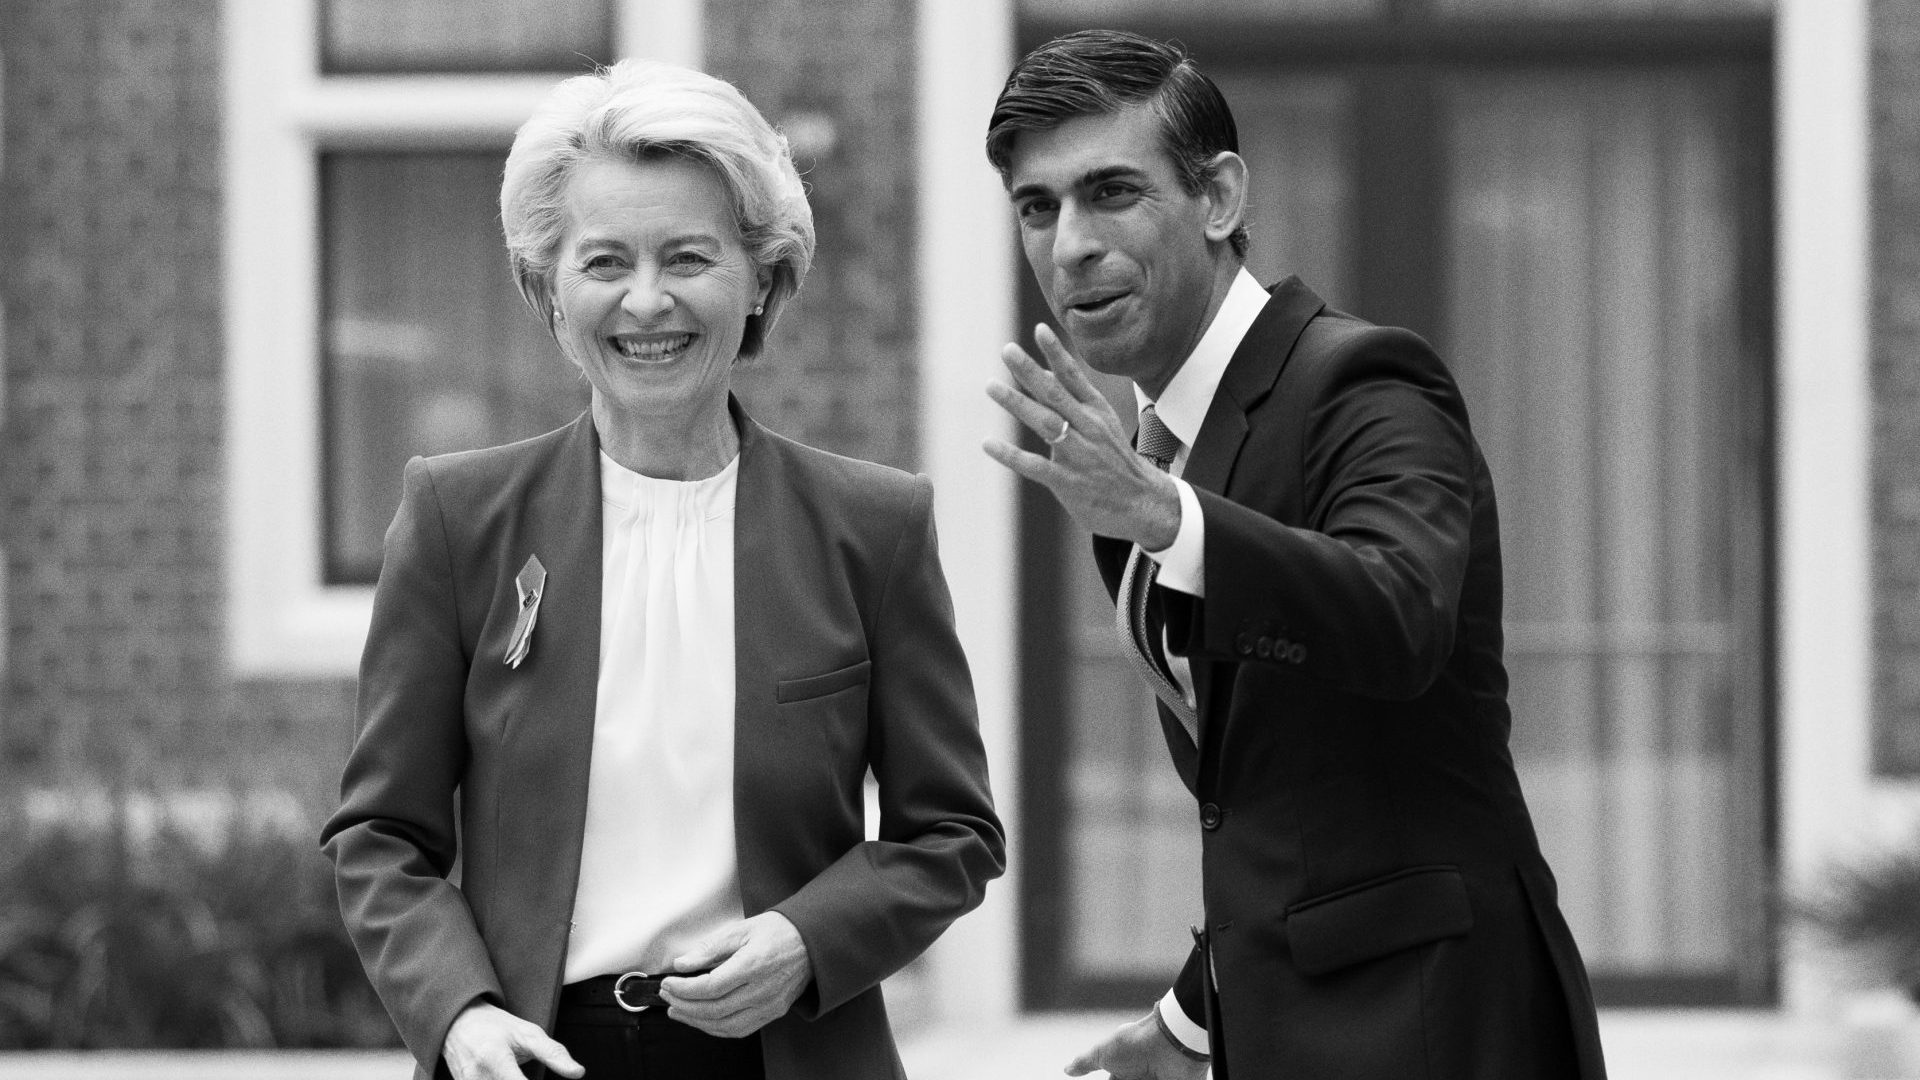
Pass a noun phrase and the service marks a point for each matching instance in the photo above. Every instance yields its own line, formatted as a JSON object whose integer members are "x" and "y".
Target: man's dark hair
{"x": 1093, "y": 72}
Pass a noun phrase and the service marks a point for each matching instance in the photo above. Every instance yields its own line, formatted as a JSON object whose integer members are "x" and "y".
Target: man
{"x": 1312, "y": 586}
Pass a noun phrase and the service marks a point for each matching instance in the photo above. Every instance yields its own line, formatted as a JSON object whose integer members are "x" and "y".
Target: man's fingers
{"x": 1081, "y": 1065}
{"x": 1035, "y": 417}
{"x": 1037, "y": 381}
{"x": 1066, "y": 367}
{"x": 1029, "y": 465}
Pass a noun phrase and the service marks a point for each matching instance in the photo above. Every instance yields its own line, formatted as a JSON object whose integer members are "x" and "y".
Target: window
{"x": 390, "y": 36}
{"x": 1579, "y": 220}
{"x": 1625, "y": 415}
{"x": 370, "y": 315}
{"x": 426, "y": 346}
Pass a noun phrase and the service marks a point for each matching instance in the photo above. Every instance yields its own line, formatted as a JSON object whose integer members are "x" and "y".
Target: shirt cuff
{"x": 1183, "y": 563}
{"x": 1184, "y": 1031}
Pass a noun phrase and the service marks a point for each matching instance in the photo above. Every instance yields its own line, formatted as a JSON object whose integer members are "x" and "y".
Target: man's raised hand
{"x": 1090, "y": 466}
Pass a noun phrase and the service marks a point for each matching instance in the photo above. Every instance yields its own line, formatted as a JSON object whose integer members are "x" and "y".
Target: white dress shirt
{"x": 658, "y": 864}
{"x": 1182, "y": 406}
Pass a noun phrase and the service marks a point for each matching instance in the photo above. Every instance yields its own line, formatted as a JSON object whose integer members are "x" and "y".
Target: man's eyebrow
{"x": 1095, "y": 177}
{"x": 1027, "y": 191}
{"x": 1091, "y": 178}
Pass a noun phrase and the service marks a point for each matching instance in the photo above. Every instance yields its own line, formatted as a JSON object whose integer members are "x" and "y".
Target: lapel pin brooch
{"x": 529, "y": 585}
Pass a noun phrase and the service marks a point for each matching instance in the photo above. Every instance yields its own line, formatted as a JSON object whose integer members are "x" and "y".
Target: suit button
{"x": 1243, "y": 644}
{"x": 1296, "y": 654}
{"x": 1263, "y": 648}
{"x": 1210, "y": 817}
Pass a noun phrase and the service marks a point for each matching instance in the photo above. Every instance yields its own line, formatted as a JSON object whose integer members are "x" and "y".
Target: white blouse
{"x": 657, "y": 863}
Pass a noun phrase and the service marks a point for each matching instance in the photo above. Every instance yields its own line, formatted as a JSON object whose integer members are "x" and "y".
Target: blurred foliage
{"x": 112, "y": 936}
{"x": 1870, "y": 909}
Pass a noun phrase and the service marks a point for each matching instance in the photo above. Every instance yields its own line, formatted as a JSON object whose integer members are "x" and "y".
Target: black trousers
{"x": 614, "y": 1044}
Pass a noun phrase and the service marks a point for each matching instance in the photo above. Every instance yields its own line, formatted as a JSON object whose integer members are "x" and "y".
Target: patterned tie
{"x": 1158, "y": 445}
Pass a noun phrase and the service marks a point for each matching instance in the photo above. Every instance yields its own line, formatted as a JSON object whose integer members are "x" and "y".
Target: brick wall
{"x": 113, "y": 526}
{"x": 109, "y": 215}
{"x": 1895, "y": 93}
{"x": 110, "y": 219}
{"x": 839, "y": 372}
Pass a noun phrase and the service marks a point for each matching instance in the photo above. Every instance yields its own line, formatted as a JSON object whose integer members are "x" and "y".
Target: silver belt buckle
{"x": 619, "y": 992}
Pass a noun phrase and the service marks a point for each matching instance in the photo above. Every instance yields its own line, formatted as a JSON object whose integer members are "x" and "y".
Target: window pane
{"x": 1133, "y": 873}
{"x": 1110, "y": 12}
{"x": 1295, "y": 134}
{"x": 1604, "y": 8}
{"x": 1594, "y": 321}
{"x": 427, "y": 346}
{"x": 464, "y": 35}
{"x": 1590, "y": 300}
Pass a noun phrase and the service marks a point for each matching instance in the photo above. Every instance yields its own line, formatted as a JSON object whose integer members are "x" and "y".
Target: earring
{"x": 758, "y": 308}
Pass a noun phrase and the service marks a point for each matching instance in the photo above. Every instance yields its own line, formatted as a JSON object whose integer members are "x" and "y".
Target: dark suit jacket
{"x": 846, "y": 659}
{"x": 1376, "y": 901}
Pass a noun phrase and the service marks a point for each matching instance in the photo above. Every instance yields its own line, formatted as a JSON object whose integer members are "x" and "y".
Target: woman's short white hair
{"x": 638, "y": 109}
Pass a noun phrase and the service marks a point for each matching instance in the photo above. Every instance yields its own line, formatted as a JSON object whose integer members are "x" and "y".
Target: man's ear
{"x": 1226, "y": 194}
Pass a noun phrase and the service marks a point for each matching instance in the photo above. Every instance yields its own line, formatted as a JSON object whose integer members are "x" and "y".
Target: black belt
{"x": 634, "y": 991}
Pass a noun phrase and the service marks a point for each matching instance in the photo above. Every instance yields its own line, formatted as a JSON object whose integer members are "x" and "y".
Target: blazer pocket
{"x": 1374, "y": 918}
{"x": 814, "y": 686}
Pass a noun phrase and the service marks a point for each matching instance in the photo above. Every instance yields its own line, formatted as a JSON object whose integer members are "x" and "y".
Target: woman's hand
{"x": 487, "y": 1042}
{"x": 760, "y": 967}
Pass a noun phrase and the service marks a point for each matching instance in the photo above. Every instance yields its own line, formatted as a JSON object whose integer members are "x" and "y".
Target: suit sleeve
{"x": 883, "y": 902}
{"x": 1188, "y": 993}
{"x": 392, "y": 840}
{"x": 1368, "y": 593}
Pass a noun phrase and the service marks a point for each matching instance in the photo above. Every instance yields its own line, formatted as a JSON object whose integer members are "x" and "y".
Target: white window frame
{"x": 280, "y": 114}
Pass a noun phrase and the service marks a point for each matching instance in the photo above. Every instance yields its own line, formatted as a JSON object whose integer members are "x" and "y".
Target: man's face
{"x": 1118, "y": 247}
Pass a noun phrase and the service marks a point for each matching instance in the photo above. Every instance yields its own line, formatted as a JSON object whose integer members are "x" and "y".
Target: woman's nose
{"x": 646, "y": 298}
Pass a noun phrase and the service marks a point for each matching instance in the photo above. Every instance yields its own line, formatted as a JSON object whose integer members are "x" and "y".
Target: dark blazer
{"x": 1376, "y": 902}
{"x": 846, "y": 659}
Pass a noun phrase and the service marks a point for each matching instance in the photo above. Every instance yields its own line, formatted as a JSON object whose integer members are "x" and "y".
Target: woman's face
{"x": 653, "y": 287}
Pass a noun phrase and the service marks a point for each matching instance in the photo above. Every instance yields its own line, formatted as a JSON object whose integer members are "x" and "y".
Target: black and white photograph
{"x": 959, "y": 539}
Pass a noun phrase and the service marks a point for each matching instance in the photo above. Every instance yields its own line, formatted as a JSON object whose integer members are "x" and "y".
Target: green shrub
{"x": 109, "y": 938}
{"x": 1870, "y": 909}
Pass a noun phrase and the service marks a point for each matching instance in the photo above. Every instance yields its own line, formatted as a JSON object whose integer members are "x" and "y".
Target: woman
{"x": 655, "y": 653}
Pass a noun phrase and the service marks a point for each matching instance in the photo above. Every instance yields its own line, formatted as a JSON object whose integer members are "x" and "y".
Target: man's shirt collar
{"x": 1183, "y": 405}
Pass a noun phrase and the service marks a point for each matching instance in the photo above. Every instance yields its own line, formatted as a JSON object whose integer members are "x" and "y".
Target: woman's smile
{"x": 651, "y": 348}
{"x": 652, "y": 295}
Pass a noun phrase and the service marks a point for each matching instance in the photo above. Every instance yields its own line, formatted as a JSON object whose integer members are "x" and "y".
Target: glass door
{"x": 1586, "y": 243}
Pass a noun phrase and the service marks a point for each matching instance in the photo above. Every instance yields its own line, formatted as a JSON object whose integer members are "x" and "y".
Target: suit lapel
{"x": 561, "y": 523}
{"x": 765, "y": 586}
{"x": 547, "y": 751}
{"x": 1249, "y": 378}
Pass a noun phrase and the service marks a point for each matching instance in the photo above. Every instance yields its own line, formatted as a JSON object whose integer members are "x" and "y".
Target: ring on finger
{"x": 1065, "y": 426}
